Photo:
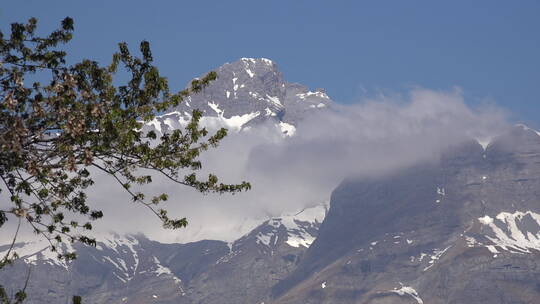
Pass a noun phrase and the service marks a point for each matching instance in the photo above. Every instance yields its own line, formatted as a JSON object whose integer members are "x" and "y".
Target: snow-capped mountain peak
{"x": 247, "y": 92}
{"x": 295, "y": 230}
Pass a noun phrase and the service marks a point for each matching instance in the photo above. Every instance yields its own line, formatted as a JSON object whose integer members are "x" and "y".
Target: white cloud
{"x": 372, "y": 137}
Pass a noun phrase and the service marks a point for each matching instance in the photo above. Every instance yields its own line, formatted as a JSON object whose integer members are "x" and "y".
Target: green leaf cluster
{"x": 55, "y": 133}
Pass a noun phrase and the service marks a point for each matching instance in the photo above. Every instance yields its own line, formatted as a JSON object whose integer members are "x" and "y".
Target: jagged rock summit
{"x": 247, "y": 92}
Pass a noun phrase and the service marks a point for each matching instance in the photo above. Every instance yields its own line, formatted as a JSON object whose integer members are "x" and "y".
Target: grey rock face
{"x": 255, "y": 86}
{"x": 255, "y": 262}
{"x": 247, "y": 92}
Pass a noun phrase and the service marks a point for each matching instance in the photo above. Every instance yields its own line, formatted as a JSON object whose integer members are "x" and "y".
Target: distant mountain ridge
{"x": 134, "y": 269}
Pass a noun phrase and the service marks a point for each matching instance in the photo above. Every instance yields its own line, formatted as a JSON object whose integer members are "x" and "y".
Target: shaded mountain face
{"x": 259, "y": 260}
{"x": 463, "y": 230}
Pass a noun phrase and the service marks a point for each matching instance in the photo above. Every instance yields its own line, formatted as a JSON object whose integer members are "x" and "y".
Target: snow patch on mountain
{"x": 161, "y": 270}
{"x": 265, "y": 239}
{"x": 408, "y": 291}
{"x": 124, "y": 254}
{"x": 267, "y": 61}
{"x": 437, "y": 254}
{"x": 310, "y": 93}
{"x": 301, "y": 227}
{"x": 174, "y": 120}
{"x": 269, "y": 112}
{"x": 287, "y": 129}
{"x": 515, "y": 232}
{"x": 526, "y": 128}
{"x": 275, "y": 100}
{"x": 484, "y": 142}
{"x": 215, "y": 107}
{"x": 248, "y": 60}
{"x": 40, "y": 250}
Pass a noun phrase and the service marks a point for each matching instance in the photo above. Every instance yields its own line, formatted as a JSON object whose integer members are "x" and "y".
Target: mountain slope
{"x": 461, "y": 229}
{"x": 133, "y": 269}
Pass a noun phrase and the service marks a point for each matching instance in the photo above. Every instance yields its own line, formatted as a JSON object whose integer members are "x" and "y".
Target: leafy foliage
{"x": 55, "y": 136}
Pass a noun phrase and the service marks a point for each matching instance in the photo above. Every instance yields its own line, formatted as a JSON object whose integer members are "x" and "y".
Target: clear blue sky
{"x": 490, "y": 49}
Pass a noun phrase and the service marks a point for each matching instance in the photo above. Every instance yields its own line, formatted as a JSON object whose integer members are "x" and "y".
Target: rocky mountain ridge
{"x": 247, "y": 92}
{"x": 134, "y": 269}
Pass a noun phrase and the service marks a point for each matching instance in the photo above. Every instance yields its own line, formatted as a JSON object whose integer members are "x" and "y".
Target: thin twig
{"x": 6, "y": 257}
